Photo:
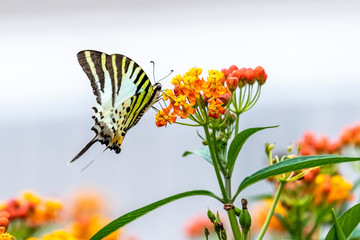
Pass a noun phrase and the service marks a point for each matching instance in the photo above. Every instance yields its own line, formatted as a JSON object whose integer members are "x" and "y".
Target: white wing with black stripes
{"x": 123, "y": 94}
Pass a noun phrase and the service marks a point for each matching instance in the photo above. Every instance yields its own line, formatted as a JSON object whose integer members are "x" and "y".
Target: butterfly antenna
{"x": 171, "y": 71}
{"x": 153, "y": 63}
{"x": 83, "y": 169}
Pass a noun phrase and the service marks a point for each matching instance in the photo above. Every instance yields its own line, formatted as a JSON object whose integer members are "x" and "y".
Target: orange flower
{"x": 59, "y": 235}
{"x": 195, "y": 226}
{"x": 260, "y": 213}
{"x": 331, "y": 189}
{"x": 4, "y": 235}
{"x": 213, "y": 86}
{"x": 163, "y": 117}
{"x": 215, "y": 108}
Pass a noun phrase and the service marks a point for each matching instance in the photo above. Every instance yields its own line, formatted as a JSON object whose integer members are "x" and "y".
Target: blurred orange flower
{"x": 88, "y": 216}
{"x": 331, "y": 189}
{"x": 261, "y": 211}
{"x": 194, "y": 227}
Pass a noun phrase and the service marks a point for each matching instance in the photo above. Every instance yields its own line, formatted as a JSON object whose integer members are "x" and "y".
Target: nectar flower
{"x": 213, "y": 86}
{"x": 215, "y": 108}
{"x": 163, "y": 117}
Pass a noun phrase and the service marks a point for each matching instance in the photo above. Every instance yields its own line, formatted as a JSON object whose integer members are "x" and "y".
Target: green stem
{"x": 187, "y": 124}
{"x": 234, "y": 224}
{"x": 271, "y": 212}
{"x": 237, "y": 124}
{"x": 215, "y": 163}
{"x": 228, "y": 186}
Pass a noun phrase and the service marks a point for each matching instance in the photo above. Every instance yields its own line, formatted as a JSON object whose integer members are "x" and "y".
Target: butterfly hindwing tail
{"x": 87, "y": 146}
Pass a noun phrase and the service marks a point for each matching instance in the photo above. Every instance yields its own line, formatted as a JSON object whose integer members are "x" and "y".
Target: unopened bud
{"x": 211, "y": 216}
{"x": 225, "y": 98}
{"x": 232, "y": 83}
{"x": 226, "y": 72}
{"x": 245, "y": 218}
{"x": 206, "y": 232}
{"x": 237, "y": 211}
{"x": 233, "y": 68}
{"x": 204, "y": 142}
{"x": 249, "y": 76}
{"x": 260, "y": 75}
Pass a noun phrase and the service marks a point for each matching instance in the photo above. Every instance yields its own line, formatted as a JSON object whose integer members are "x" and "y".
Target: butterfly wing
{"x": 123, "y": 94}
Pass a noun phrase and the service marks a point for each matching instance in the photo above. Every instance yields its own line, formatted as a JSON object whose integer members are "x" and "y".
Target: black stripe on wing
{"x": 90, "y": 61}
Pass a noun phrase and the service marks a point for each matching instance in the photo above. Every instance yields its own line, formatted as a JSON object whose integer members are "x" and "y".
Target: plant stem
{"x": 215, "y": 163}
{"x": 228, "y": 186}
{"x": 231, "y": 213}
{"x": 234, "y": 224}
{"x": 271, "y": 212}
{"x": 237, "y": 124}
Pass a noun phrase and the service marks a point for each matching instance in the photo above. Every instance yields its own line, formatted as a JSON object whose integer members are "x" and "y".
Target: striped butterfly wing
{"x": 123, "y": 94}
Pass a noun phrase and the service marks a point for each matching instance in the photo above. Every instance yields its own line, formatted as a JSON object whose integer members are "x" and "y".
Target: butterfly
{"x": 123, "y": 94}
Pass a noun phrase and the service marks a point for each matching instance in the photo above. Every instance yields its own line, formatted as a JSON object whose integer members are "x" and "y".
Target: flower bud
{"x": 225, "y": 98}
{"x": 232, "y": 83}
{"x": 4, "y": 222}
{"x": 237, "y": 211}
{"x": 211, "y": 216}
{"x": 260, "y": 75}
{"x": 240, "y": 74}
{"x": 206, "y": 232}
{"x": 249, "y": 76}
{"x": 233, "y": 68}
{"x": 244, "y": 218}
{"x": 226, "y": 72}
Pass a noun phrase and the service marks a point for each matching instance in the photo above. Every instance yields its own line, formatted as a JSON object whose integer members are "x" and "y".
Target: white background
{"x": 310, "y": 50}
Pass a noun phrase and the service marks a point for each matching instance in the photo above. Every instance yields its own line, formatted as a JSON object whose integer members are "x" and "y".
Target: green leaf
{"x": 131, "y": 216}
{"x": 237, "y": 144}
{"x": 338, "y": 231}
{"x": 355, "y": 235}
{"x": 203, "y": 152}
{"x": 348, "y": 222}
{"x": 290, "y": 165}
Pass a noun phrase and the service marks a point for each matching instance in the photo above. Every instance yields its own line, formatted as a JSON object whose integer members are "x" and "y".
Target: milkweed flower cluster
{"x": 191, "y": 93}
{"x": 332, "y": 190}
{"x": 34, "y": 210}
{"x": 317, "y": 189}
{"x": 310, "y": 144}
{"x": 31, "y": 216}
{"x": 203, "y": 100}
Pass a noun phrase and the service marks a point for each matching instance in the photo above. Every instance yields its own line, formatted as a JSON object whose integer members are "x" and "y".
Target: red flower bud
{"x": 249, "y": 76}
{"x": 233, "y": 68}
{"x": 232, "y": 83}
{"x": 225, "y": 98}
{"x": 225, "y": 71}
{"x": 260, "y": 75}
{"x": 240, "y": 73}
{"x": 4, "y": 222}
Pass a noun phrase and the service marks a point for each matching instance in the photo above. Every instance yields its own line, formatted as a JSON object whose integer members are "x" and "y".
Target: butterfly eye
{"x": 158, "y": 87}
